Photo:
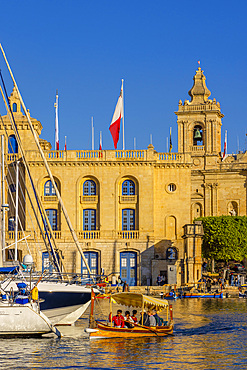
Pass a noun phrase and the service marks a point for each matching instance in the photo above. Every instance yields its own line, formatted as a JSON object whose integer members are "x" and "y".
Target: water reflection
{"x": 209, "y": 334}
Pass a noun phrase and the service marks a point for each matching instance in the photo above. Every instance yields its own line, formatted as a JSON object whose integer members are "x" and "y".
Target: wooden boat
{"x": 201, "y": 295}
{"x": 97, "y": 329}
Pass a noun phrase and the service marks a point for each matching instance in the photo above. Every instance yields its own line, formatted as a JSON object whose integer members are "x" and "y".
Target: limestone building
{"x": 132, "y": 210}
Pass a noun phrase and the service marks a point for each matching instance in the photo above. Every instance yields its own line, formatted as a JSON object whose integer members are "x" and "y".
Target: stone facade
{"x": 149, "y": 228}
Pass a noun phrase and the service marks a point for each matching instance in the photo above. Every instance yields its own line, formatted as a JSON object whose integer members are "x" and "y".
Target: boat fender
{"x": 89, "y": 330}
{"x": 35, "y": 294}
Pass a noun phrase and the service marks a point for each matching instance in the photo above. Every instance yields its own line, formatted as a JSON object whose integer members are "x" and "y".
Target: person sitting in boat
{"x": 134, "y": 318}
{"x": 151, "y": 318}
{"x": 118, "y": 319}
{"x": 128, "y": 321}
{"x": 159, "y": 320}
{"x": 145, "y": 321}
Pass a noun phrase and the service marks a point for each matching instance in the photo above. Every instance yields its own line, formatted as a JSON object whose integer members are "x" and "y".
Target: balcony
{"x": 94, "y": 234}
{"x": 197, "y": 148}
{"x": 88, "y": 199}
{"x": 49, "y": 198}
{"x": 129, "y": 234}
{"x": 128, "y": 199}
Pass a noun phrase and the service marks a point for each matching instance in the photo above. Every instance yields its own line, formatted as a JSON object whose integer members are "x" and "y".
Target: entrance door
{"x": 92, "y": 260}
{"x": 128, "y": 267}
{"x": 47, "y": 264}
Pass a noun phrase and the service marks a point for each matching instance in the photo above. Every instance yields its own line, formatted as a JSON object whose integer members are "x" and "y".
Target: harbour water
{"x": 209, "y": 334}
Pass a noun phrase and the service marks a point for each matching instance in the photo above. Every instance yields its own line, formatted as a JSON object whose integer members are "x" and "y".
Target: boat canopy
{"x": 9, "y": 270}
{"x": 139, "y": 300}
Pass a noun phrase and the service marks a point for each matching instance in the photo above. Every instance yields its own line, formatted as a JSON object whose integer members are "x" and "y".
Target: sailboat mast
{"x": 16, "y": 208}
{"x": 47, "y": 167}
{"x": 3, "y": 200}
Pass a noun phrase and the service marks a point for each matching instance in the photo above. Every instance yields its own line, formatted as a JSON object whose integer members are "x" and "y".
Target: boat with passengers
{"x": 100, "y": 329}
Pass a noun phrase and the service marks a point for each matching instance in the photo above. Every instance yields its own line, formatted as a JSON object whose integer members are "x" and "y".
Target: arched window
{"x": 128, "y": 188}
{"x": 197, "y": 135}
{"x": 171, "y": 254}
{"x": 52, "y": 217}
{"x": 49, "y": 189}
{"x": 233, "y": 208}
{"x": 89, "y": 219}
{"x": 14, "y": 107}
{"x": 12, "y": 145}
{"x": 89, "y": 188}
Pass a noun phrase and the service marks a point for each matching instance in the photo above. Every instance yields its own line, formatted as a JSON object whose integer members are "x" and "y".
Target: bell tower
{"x": 199, "y": 124}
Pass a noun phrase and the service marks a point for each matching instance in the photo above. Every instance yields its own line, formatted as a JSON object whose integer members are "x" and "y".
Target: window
{"x": 89, "y": 219}
{"x": 89, "y": 188}
{"x": 172, "y": 188}
{"x": 10, "y": 255}
{"x": 12, "y": 145}
{"x": 14, "y": 107}
{"x": 52, "y": 217}
{"x": 49, "y": 188}
{"x": 171, "y": 254}
{"x": 11, "y": 223}
{"x": 128, "y": 219}
{"x": 128, "y": 188}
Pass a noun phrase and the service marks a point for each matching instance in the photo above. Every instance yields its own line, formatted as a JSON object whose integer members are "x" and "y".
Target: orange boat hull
{"x": 104, "y": 331}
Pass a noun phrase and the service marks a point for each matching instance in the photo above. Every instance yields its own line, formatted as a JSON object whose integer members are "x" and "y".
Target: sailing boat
{"x": 20, "y": 313}
{"x": 62, "y": 301}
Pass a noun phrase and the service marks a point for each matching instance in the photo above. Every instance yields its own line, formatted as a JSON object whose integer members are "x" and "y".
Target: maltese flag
{"x": 225, "y": 147}
{"x": 115, "y": 122}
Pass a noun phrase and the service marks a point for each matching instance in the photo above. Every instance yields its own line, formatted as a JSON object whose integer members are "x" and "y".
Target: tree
{"x": 225, "y": 237}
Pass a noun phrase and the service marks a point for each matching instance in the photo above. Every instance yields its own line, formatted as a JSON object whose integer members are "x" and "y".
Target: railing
{"x": 89, "y": 199}
{"x": 130, "y": 154}
{"x": 197, "y": 148}
{"x": 169, "y": 157}
{"x": 128, "y": 198}
{"x": 49, "y": 198}
{"x": 105, "y": 155}
{"x": 200, "y": 107}
{"x": 89, "y": 154}
{"x": 128, "y": 234}
{"x": 11, "y": 235}
{"x": 89, "y": 234}
{"x": 56, "y": 234}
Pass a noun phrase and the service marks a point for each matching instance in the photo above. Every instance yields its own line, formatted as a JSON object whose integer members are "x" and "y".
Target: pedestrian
{"x": 208, "y": 285}
{"x": 159, "y": 279}
{"x": 232, "y": 279}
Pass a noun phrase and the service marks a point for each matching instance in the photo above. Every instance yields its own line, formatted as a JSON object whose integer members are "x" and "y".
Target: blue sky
{"x": 84, "y": 49}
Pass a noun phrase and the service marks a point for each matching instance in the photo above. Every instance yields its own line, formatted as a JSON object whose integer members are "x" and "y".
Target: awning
{"x": 140, "y": 300}
{"x": 9, "y": 270}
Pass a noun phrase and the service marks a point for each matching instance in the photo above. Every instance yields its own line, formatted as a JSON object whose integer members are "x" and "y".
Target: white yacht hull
{"x": 62, "y": 303}
{"x": 22, "y": 320}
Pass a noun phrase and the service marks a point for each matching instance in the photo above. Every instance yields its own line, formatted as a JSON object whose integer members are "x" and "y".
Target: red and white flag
{"x": 116, "y": 119}
{"x": 100, "y": 140}
{"x": 56, "y": 124}
{"x": 65, "y": 143}
{"x": 225, "y": 146}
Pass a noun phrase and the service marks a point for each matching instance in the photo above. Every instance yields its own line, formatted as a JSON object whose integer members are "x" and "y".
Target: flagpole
{"x": 167, "y": 144}
{"x": 56, "y": 123}
{"x": 134, "y": 143}
{"x": 123, "y": 115}
{"x": 92, "y": 134}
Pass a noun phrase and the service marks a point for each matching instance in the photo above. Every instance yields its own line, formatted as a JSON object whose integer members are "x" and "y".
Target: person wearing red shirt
{"x": 134, "y": 318}
{"x": 118, "y": 319}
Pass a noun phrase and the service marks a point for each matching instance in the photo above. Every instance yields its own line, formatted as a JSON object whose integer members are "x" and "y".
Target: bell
{"x": 197, "y": 135}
